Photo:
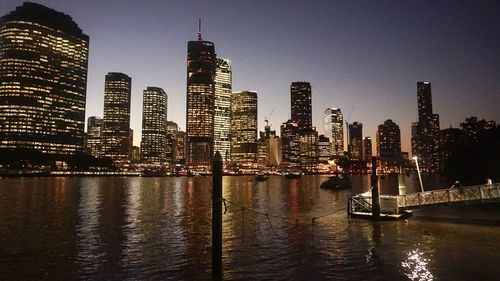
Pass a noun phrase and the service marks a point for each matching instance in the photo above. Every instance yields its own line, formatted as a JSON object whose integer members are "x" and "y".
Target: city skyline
{"x": 362, "y": 57}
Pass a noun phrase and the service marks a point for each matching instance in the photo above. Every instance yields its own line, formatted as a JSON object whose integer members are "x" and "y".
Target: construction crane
{"x": 266, "y": 119}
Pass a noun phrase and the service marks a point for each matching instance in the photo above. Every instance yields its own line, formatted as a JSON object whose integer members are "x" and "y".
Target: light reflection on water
{"x": 416, "y": 266}
{"x": 159, "y": 229}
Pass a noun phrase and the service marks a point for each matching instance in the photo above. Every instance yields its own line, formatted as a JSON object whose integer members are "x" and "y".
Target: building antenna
{"x": 199, "y": 29}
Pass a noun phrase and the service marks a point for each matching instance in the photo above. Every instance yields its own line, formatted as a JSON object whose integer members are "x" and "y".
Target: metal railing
{"x": 476, "y": 193}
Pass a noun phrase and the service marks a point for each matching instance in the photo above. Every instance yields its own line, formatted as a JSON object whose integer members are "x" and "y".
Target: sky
{"x": 364, "y": 57}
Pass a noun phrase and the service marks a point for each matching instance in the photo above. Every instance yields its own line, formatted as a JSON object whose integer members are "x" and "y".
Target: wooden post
{"x": 375, "y": 194}
{"x": 217, "y": 217}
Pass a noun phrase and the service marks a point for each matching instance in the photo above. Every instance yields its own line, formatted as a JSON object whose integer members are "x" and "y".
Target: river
{"x": 132, "y": 228}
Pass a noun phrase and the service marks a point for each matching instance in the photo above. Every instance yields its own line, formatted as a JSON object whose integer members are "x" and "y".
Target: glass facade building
{"x": 244, "y": 128}
{"x": 154, "y": 126}
{"x": 200, "y": 104}
{"x": 334, "y": 130}
{"x": 222, "y": 118}
{"x": 93, "y": 140}
{"x": 43, "y": 80}
{"x": 389, "y": 139}
{"x": 356, "y": 141}
{"x": 116, "y": 127}
{"x": 301, "y": 104}
{"x": 425, "y": 138}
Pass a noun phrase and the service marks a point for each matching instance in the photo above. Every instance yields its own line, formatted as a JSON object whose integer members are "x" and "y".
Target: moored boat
{"x": 336, "y": 182}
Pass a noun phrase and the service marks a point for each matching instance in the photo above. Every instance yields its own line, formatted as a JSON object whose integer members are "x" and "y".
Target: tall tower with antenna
{"x": 200, "y": 103}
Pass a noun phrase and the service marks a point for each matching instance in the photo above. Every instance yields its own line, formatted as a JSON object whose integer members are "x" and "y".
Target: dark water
{"x": 159, "y": 229}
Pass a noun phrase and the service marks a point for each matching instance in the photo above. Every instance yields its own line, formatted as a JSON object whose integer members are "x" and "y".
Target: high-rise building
{"x": 389, "y": 140}
{"x": 323, "y": 149}
{"x": 334, "y": 130}
{"x": 290, "y": 147}
{"x": 244, "y": 128}
{"x": 269, "y": 147}
{"x": 301, "y": 104}
{"x": 425, "y": 140}
{"x": 356, "y": 141}
{"x": 222, "y": 119}
{"x": 171, "y": 151}
{"x": 116, "y": 125}
{"x": 450, "y": 141}
{"x": 308, "y": 150}
{"x": 43, "y": 81}
{"x": 200, "y": 104}
{"x": 367, "y": 149}
{"x": 154, "y": 126}
{"x": 93, "y": 140}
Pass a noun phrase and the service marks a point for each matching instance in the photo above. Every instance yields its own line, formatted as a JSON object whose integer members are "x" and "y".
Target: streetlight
{"x": 418, "y": 172}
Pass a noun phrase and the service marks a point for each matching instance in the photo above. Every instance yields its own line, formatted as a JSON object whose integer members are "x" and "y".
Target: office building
{"x": 334, "y": 130}
{"x": 389, "y": 140}
{"x": 171, "y": 149}
{"x": 244, "y": 128}
{"x": 222, "y": 118}
{"x": 116, "y": 131}
{"x": 290, "y": 146}
{"x": 43, "y": 80}
{"x": 425, "y": 140}
{"x": 367, "y": 149}
{"x": 301, "y": 104}
{"x": 200, "y": 104}
{"x": 93, "y": 140}
{"x": 356, "y": 141}
{"x": 154, "y": 126}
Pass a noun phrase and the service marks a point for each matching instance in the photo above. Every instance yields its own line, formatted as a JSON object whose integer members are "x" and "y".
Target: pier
{"x": 400, "y": 206}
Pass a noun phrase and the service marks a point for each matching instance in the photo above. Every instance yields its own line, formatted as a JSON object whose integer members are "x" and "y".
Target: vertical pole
{"x": 217, "y": 217}
{"x": 375, "y": 194}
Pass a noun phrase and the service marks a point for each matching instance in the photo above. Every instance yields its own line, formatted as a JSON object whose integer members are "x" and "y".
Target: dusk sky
{"x": 364, "y": 57}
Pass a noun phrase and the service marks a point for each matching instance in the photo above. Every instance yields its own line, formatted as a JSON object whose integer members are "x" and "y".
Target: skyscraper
{"x": 222, "y": 119}
{"x": 116, "y": 126}
{"x": 43, "y": 81}
{"x": 200, "y": 104}
{"x": 367, "y": 149}
{"x": 290, "y": 146}
{"x": 356, "y": 141}
{"x": 425, "y": 141}
{"x": 244, "y": 128}
{"x": 93, "y": 140}
{"x": 301, "y": 104}
{"x": 334, "y": 130}
{"x": 389, "y": 140}
{"x": 154, "y": 126}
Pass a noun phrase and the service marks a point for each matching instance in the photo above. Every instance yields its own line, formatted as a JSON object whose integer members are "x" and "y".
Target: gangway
{"x": 398, "y": 205}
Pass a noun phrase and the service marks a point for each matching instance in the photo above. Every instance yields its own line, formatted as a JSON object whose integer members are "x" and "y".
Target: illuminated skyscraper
{"x": 301, "y": 104}
{"x": 116, "y": 126}
{"x": 43, "y": 81}
{"x": 154, "y": 126}
{"x": 367, "y": 149}
{"x": 425, "y": 140}
{"x": 171, "y": 151}
{"x": 356, "y": 141}
{"x": 334, "y": 130}
{"x": 200, "y": 104}
{"x": 389, "y": 140}
{"x": 290, "y": 145}
{"x": 222, "y": 119}
{"x": 93, "y": 140}
{"x": 244, "y": 128}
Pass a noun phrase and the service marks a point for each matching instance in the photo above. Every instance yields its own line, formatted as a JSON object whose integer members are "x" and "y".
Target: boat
{"x": 336, "y": 182}
{"x": 261, "y": 177}
{"x": 293, "y": 175}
